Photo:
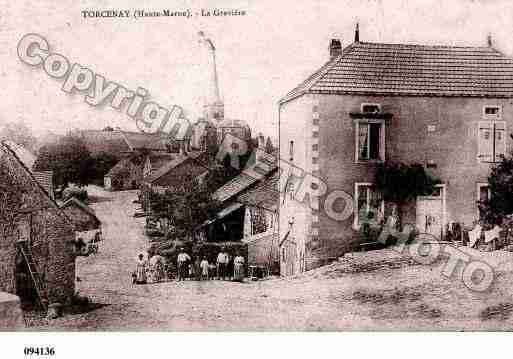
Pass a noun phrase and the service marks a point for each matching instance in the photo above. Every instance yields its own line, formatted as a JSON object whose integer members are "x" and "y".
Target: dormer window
{"x": 370, "y": 108}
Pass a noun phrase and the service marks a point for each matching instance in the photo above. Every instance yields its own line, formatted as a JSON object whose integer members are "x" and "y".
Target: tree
{"x": 99, "y": 166}
{"x": 69, "y": 159}
{"x": 400, "y": 183}
{"x": 500, "y": 203}
{"x": 186, "y": 206}
{"x": 19, "y": 133}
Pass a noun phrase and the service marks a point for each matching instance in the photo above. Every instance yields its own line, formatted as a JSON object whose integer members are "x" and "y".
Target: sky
{"x": 260, "y": 56}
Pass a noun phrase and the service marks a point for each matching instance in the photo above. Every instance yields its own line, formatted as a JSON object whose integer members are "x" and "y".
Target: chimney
{"x": 335, "y": 48}
{"x": 357, "y": 33}
{"x": 489, "y": 40}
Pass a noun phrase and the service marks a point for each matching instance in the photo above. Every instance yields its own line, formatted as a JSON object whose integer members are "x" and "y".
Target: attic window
{"x": 371, "y": 108}
{"x": 492, "y": 112}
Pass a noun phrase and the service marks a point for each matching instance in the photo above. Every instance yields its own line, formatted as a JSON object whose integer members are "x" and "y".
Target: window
{"x": 369, "y": 204}
{"x": 371, "y": 108}
{"x": 258, "y": 220}
{"x": 291, "y": 150}
{"x": 492, "y": 112}
{"x": 491, "y": 140}
{"x": 370, "y": 140}
{"x": 483, "y": 192}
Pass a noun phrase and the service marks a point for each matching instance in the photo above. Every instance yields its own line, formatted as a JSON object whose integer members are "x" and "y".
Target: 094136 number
{"x": 39, "y": 351}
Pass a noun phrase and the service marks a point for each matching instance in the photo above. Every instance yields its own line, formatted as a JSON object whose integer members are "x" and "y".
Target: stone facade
{"x": 439, "y": 132}
{"x": 453, "y": 120}
{"x": 49, "y": 232}
{"x": 11, "y": 316}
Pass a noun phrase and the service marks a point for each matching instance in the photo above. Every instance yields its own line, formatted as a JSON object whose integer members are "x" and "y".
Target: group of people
{"x": 201, "y": 269}
{"x": 149, "y": 271}
{"x": 225, "y": 268}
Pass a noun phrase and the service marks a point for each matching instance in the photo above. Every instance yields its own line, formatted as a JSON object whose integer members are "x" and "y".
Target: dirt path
{"x": 393, "y": 295}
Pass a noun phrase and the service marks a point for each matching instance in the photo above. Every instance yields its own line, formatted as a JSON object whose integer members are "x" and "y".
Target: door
{"x": 430, "y": 216}
{"x": 288, "y": 256}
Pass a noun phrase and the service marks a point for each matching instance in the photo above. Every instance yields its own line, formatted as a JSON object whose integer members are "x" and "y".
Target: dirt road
{"x": 390, "y": 293}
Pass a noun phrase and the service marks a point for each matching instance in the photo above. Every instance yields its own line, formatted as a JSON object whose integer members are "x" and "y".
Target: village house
{"x": 87, "y": 225}
{"x": 37, "y": 247}
{"x": 45, "y": 178}
{"x": 249, "y": 211}
{"x": 171, "y": 174}
{"x": 448, "y": 108}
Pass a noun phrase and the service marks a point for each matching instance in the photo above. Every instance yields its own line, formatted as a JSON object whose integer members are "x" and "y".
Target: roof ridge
{"x": 37, "y": 184}
{"x": 307, "y": 84}
{"x": 410, "y": 68}
{"x": 424, "y": 45}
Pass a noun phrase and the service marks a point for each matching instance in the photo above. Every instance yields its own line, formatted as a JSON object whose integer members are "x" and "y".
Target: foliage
{"x": 100, "y": 165}
{"x": 69, "y": 159}
{"x": 78, "y": 193}
{"x": 219, "y": 175}
{"x": 400, "y": 183}
{"x": 19, "y": 133}
{"x": 500, "y": 183}
{"x": 186, "y": 206}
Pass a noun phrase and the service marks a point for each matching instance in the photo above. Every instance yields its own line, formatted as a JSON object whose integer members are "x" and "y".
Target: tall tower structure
{"x": 213, "y": 109}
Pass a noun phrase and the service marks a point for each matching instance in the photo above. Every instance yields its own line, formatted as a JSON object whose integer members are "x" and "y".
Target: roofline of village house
{"x": 10, "y": 152}
{"x": 388, "y": 94}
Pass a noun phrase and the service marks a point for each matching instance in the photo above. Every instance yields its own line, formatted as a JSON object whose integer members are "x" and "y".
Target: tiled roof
{"x": 24, "y": 155}
{"x": 45, "y": 179}
{"x": 412, "y": 70}
{"x": 6, "y": 149}
{"x": 169, "y": 166}
{"x": 244, "y": 180}
{"x": 82, "y": 206}
{"x": 265, "y": 194}
{"x": 122, "y": 164}
{"x": 157, "y": 160}
{"x": 98, "y": 141}
{"x": 140, "y": 140}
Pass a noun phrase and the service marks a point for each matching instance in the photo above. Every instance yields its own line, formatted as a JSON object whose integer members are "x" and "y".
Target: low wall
{"x": 11, "y": 316}
{"x": 262, "y": 249}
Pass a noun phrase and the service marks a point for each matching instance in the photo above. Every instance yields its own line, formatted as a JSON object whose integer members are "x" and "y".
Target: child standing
{"x": 204, "y": 269}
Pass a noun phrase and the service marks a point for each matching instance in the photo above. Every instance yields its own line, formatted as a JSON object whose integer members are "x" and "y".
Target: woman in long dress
{"x": 238, "y": 268}
{"x": 140, "y": 270}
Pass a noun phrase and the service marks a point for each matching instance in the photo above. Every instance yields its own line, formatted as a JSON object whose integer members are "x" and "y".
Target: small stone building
{"x": 29, "y": 217}
{"x": 83, "y": 216}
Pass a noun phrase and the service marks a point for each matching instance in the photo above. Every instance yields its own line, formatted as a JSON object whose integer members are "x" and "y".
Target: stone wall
{"x": 440, "y": 131}
{"x": 50, "y": 235}
{"x": 11, "y": 316}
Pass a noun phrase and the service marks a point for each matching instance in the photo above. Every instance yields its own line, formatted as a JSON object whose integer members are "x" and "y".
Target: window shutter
{"x": 485, "y": 141}
{"x": 500, "y": 139}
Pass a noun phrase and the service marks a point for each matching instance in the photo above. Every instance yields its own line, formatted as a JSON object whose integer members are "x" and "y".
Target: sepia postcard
{"x": 255, "y": 166}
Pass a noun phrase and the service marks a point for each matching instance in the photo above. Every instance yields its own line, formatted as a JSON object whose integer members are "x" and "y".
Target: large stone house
{"x": 32, "y": 225}
{"x": 448, "y": 108}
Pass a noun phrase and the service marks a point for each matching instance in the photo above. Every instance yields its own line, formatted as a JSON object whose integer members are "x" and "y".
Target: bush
{"x": 78, "y": 193}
